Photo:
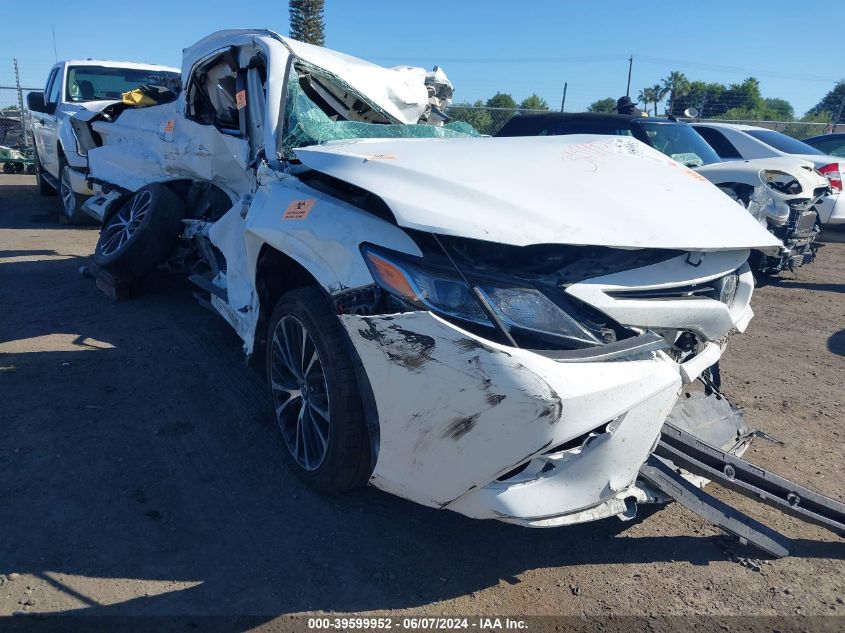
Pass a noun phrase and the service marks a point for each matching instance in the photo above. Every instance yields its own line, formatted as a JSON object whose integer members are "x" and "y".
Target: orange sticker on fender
{"x": 168, "y": 127}
{"x": 299, "y": 209}
{"x": 240, "y": 99}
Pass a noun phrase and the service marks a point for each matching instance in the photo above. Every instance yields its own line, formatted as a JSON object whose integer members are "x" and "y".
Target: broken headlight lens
{"x": 519, "y": 309}
{"x": 531, "y": 310}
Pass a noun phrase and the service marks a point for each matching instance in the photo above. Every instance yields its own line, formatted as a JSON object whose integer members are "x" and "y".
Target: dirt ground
{"x": 140, "y": 472}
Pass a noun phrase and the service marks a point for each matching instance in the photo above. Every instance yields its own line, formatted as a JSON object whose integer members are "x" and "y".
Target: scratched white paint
{"x": 455, "y": 412}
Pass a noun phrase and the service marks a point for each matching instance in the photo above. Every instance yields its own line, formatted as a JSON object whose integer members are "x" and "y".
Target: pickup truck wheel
{"x": 71, "y": 201}
{"x": 314, "y": 392}
{"x": 141, "y": 234}
{"x": 44, "y": 187}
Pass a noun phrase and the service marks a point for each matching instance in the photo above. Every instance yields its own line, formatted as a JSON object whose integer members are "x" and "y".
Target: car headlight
{"x": 516, "y": 306}
{"x": 763, "y": 206}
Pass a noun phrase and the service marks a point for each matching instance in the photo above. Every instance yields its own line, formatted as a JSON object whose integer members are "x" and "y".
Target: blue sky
{"x": 484, "y": 46}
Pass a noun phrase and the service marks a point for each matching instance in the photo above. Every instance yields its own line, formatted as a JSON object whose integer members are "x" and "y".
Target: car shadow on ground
{"x": 137, "y": 444}
{"x": 836, "y": 343}
{"x": 793, "y": 283}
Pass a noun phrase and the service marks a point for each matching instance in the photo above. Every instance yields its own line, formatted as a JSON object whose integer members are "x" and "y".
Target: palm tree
{"x": 677, "y": 85}
{"x": 653, "y": 95}
{"x": 646, "y": 96}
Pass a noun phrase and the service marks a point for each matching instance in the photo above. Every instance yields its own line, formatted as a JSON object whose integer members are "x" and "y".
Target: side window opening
{"x": 211, "y": 97}
{"x": 55, "y": 88}
{"x": 49, "y": 85}
{"x": 715, "y": 139}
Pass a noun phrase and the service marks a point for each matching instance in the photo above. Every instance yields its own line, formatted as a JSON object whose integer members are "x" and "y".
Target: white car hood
{"x": 802, "y": 170}
{"x": 579, "y": 189}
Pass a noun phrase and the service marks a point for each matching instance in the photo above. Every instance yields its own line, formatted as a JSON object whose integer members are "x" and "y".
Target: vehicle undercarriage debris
{"x": 436, "y": 315}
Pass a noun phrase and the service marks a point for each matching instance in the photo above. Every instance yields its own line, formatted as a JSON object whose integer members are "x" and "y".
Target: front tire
{"x": 44, "y": 187}
{"x": 315, "y": 394}
{"x": 71, "y": 210}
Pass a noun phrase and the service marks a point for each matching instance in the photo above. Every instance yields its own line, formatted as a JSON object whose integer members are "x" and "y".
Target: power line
{"x": 501, "y": 60}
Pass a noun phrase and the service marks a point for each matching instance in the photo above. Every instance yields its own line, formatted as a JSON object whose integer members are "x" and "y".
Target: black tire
{"x": 44, "y": 187}
{"x": 141, "y": 234}
{"x": 70, "y": 202}
{"x": 346, "y": 463}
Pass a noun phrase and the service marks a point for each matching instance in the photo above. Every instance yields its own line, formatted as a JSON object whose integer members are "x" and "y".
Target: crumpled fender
{"x": 456, "y": 411}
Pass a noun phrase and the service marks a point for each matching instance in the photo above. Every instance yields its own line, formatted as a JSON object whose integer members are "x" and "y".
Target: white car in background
{"x": 736, "y": 142}
{"x": 73, "y": 86}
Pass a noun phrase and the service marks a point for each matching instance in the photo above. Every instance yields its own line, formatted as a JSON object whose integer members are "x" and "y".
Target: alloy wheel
{"x": 300, "y": 393}
{"x": 125, "y": 223}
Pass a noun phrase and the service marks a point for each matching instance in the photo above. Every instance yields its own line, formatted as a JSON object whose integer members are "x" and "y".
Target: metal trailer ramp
{"x": 692, "y": 454}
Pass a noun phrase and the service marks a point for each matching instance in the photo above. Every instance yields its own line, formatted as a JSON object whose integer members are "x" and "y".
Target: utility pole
{"x": 630, "y": 67}
{"x": 563, "y": 101}
{"x": 20, "y": 103}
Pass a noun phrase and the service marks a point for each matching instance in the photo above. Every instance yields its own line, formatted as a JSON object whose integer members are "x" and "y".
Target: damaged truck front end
{"x": 496, "y": 326}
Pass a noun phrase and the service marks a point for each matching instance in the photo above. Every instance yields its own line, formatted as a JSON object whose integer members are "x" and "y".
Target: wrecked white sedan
{"x": 499, "y": 327}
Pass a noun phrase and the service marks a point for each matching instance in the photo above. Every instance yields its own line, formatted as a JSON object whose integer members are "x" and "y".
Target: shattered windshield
{"x": 324, "y": 118}
{"x": 680, "y": 142}
{"x": 95, "y": 83}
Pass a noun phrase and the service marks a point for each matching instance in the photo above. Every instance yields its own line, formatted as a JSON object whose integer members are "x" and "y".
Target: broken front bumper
{"x": 496, "y": 432}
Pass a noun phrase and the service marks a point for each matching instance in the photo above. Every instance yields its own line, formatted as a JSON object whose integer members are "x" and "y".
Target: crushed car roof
{"x": 399, "y": 91}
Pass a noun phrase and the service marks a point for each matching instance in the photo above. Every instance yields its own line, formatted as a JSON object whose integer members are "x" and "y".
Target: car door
{"x": 226, "y": 112}
{"x": 719, "y": 142}
{"x": 44, "y": 124}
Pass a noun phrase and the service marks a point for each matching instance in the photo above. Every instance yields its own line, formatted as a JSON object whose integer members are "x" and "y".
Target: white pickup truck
{"x": 72, "y": 86}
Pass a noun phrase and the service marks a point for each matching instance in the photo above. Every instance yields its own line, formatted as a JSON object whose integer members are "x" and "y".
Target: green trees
{"x": 831, "y": 102}
{"x": 654, "y": 95}
{"x": 306, "y": 21}
{"x": 603, "y": 106}
{"x": 475, "y": 114}
{"x": 676, "y": 85}
{"x": 501, "y": 100}
{"x": 781, "y": 108}
{"x": 534, "y": 103}
{"x": 738, "y": 101}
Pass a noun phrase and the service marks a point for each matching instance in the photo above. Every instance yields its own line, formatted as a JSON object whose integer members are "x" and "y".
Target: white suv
{"x": 73, "y": 86}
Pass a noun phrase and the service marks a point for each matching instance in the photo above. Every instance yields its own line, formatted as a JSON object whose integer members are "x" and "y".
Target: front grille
{"x": 690, "y": 291}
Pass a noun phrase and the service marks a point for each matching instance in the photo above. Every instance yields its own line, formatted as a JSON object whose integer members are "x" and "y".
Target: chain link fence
{"x": 486, "y": 120}
{"x": 15, "y": 142}
{"x": 14, "y": 117}
{"x": 16, "y": 147}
